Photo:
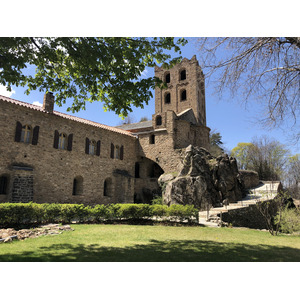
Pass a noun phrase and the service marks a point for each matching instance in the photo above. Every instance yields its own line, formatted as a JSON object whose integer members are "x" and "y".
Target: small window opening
{"x": 26, "y": 134}
{"x": 77, "y": 186}
{"x": 137, "y": 170}
{"x": 3, "y": 185}
{"x": 167, "y": 98}
{"x": 158, "y": 120}
{"x": 167, "y": 78}
{"x": 152, "y": 139}
{"x": 183, "y": 95}
{"x": 92, "y": 147}
{"x": 62, "y": 141}
{"x": 183, "y": 75}
{"x": 117, "y": 156}
{"x": 107, "y": 188}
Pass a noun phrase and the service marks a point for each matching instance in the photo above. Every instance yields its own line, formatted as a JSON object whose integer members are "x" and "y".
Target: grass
{"x": 154, "y": 243}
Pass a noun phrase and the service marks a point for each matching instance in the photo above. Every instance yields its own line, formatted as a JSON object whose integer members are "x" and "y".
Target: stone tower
{"x": 186, "y": 90}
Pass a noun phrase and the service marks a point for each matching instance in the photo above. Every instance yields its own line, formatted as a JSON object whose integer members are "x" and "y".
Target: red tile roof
{"x": 66, "y": 116}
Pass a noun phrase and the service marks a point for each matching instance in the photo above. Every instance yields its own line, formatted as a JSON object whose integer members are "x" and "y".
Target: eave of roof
{"x": 66, "y": 116}
{"x": 144, "y": 124}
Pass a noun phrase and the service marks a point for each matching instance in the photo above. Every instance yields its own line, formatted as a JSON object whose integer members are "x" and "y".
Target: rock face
{"x": 250, "y": 178}
{"x": 203, "y": 181}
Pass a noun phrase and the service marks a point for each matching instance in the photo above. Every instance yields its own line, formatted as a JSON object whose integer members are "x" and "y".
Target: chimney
{"x": 48, "y": 103}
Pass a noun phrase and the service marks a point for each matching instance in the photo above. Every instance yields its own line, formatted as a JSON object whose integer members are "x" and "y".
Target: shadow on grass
{"x": 159, "y": 251}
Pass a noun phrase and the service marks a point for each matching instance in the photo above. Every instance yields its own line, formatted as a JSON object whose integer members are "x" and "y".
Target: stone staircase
{"x": 265, "y": 191}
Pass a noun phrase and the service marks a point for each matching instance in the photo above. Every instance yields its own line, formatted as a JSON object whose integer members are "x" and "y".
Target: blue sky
{"x": 227, "y": 115}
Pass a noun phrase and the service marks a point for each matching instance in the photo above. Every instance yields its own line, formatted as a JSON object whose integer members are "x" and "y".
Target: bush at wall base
{"x": 25, "y": 214}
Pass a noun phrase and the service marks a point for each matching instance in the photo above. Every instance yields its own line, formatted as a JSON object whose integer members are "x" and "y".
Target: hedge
{"x": 18, "y": 214}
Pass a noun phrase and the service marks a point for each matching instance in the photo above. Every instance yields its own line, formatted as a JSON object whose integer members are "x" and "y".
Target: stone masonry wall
{"x": 54, "y": 170}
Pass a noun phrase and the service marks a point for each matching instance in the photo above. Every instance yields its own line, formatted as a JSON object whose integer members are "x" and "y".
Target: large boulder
{"x": 250, "y": 178}
{"x": 203, "y": 181}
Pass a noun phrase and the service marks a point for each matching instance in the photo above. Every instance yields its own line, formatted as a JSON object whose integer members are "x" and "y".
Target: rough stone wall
{"x": 188, "y": 134}
{"x": 249, "y": 217}
{"x": 55, "y": 169}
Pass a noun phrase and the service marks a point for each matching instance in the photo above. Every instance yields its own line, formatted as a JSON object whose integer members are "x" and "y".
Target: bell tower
{"x": 185, "y": 90}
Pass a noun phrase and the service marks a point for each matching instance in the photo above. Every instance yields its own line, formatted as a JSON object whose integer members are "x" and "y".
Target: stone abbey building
{"x": 48, "y": 156}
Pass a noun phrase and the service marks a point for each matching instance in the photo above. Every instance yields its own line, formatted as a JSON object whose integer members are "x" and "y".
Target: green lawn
{"x": 154, "y": 243}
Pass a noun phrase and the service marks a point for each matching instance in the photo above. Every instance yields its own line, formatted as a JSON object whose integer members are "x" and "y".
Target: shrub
{"x": 99, "y": 213}
{"x": 52, "y": 212}
{"x": 183, "y": 212}
{"x": 159, "y": 210}
{"x": 134, "y": 211}
{"x": 12, "y": 214}
{"x": 158, "y": 200}
{"x": 288, "y": 220}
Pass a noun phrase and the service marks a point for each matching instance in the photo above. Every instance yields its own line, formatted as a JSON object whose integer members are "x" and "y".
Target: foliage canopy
{"x": 87, "y": 69}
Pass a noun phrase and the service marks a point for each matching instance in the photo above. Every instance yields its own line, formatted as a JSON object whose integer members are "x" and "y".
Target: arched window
{"x": 183, "y": 95}
{"x": 167, "y": 78}
{"x": 26, "y": 134}
{"x": 92, "y": 147}
{"x": 167, "y": 98}
{"x": 107, "y": 188}
{"x": 62, "y": 141}
{"x": 3, "y": 185}
{"x": 78, "y": 186}
{"x": 158, "y": 120}
{"x": 182, "y": 74}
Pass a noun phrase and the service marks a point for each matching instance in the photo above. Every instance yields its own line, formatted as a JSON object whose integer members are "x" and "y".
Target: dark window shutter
{"x": 56, "y": 138}
{"x": 87, "y": 146}
{"x": 98, "y": 148}
{"x": 121, "y": 152}
{"x": 70, "y": 140}
{"x": 112, "y": 150}
{"x": 18, "y": 132}
{"x": 35, "y": 135}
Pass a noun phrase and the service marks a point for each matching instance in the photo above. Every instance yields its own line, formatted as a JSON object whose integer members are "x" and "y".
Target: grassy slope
{"x": 154, "y": 243}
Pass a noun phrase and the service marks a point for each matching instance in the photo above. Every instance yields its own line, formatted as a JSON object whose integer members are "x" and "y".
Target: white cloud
{"x": 37, "y": 103}
{"x": 5, "y": 92}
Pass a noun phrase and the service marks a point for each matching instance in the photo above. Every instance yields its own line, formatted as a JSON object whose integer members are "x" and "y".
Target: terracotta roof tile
{"x": 66, "y": 116}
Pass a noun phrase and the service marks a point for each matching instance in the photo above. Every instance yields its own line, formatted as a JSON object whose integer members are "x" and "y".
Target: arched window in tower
{"x": 158, "y": 120}
{"x": 182, "y": 74}
{"x": 167, "y": 78}
{"x": 183, "y": 95}
{"x": 167, "y": 98}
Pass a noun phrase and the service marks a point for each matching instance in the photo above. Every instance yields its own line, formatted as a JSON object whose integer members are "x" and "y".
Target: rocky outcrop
{"x": 250, "y": 178}
{"x": 203, "y": 181}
